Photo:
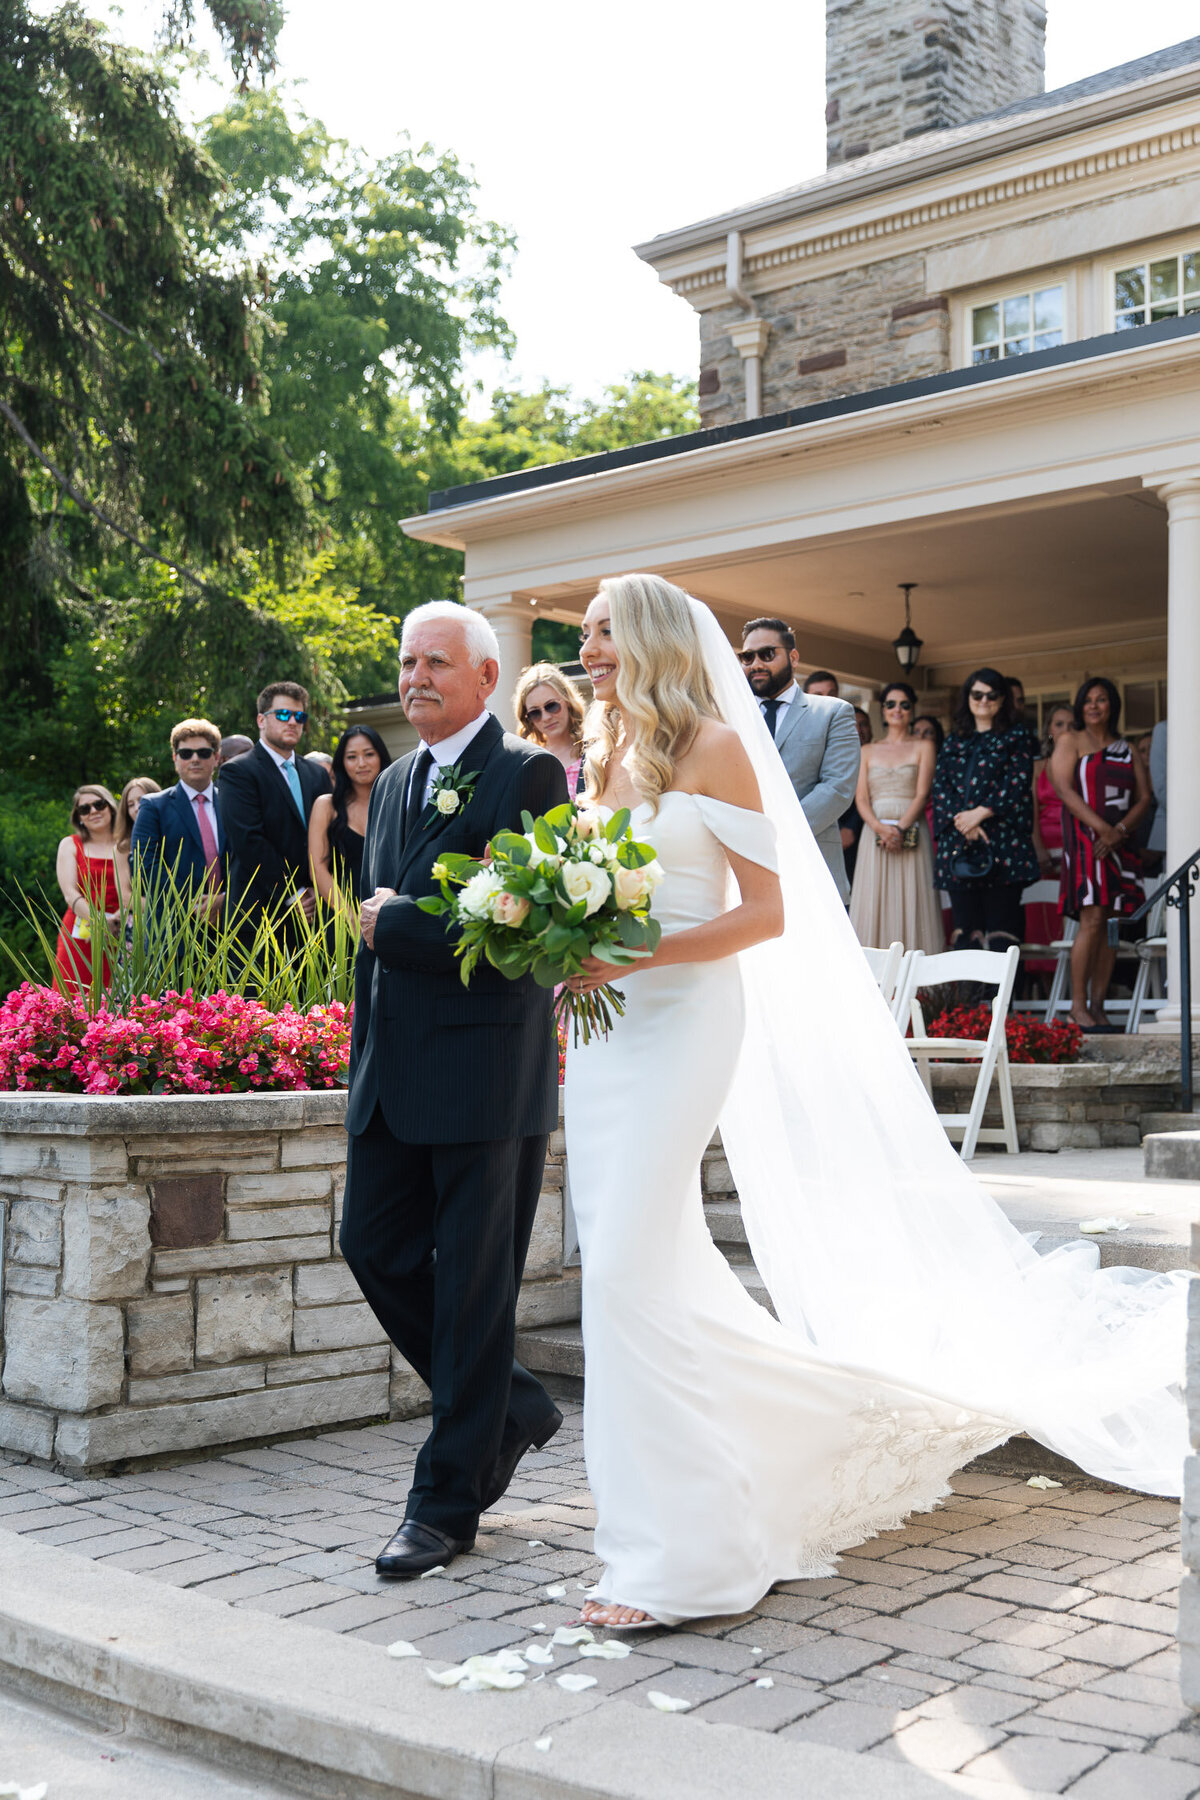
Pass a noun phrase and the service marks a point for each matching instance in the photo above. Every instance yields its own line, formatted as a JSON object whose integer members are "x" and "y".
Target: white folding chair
{"x": 885, "y": 967}
{"x": 1039, "y": 893}
{"x": 1151, "y": 952}
{"x": 995, "y": 968}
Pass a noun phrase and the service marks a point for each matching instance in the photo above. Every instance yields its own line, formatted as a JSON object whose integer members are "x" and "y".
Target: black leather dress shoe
{"x": 416, "y": 1548}
{"x": 506, "y": 1462}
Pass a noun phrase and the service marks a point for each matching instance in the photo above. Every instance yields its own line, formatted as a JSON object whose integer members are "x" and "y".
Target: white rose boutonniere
{"x": 452, "y": 790}
{"x": 447, "y": 801}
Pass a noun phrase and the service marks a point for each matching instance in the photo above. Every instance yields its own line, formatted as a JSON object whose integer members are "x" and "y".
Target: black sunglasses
{"x": 904, "y": 705}
{"x": 90, "y": 806}
{"x": 284, "y": 713}
{"x": 551, "y": 709}
{"x": 205, "y": 755}
{"x": 748, "y": 657}
{"x": 985, "y": 694}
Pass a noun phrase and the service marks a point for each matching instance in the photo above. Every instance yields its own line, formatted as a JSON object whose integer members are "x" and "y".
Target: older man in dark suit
{"x": 453, "y": 1093}
{"x": 268, "y": 797}
{"x": 179, "y": 837}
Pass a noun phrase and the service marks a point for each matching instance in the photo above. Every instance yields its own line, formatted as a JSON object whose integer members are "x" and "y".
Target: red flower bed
{"x": 221, "y": 1044}
{"x": 1030, "y": 1039}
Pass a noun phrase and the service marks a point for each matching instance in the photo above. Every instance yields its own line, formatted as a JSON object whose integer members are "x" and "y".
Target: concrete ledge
{"x": 119, "y": 1115}
{"x": 1172, "y": 1155}
{"x": 287, "y": 1700}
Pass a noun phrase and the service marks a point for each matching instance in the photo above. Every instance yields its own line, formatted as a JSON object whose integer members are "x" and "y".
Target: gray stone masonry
{"x": 895, "y": 70}
{"x": 170, "y": 1280}
{"x": 1015, "y": 1641}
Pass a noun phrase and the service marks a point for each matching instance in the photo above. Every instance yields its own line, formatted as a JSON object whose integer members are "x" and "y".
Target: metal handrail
{"x": 1178, "y": 890}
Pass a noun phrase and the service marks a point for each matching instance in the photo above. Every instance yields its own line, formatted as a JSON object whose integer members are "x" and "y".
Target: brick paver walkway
{"x": 1021, "y": 1637}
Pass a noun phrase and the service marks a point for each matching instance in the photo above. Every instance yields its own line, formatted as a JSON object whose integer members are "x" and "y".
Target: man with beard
{"x": 815, "y": 734}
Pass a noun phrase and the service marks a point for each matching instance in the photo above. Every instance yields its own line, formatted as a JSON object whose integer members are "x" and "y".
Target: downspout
{"x": 749, "y": 335}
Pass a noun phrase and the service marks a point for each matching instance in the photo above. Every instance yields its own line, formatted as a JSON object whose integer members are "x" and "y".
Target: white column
{"x": 1182, "y": 497}
{"x": 512, "y": 621}
{"x": 750, "y": 341}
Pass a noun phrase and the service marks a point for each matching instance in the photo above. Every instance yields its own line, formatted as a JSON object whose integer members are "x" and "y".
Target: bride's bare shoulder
{"x": 716, "y": 764}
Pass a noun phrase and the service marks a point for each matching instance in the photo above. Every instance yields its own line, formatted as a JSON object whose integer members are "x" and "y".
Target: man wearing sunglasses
{"x": 267, "y": 796}
{"x": 181, "y": 837}
{"x": 815, "y": 734}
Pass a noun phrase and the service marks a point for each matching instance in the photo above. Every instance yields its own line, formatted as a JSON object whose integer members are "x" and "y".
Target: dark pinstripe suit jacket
{"x": 449, "y": 1064}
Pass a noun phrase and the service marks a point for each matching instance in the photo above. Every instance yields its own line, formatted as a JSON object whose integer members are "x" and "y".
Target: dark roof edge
{"x": 550, "y": 474}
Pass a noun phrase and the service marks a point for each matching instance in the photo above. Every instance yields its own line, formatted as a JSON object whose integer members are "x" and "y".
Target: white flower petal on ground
{"x": 539, "y": 1627}
{"x": 536, "y": 1543}
{"x": 440, "y": 1569}
{"x": 12, "y": 1790}
{"x": 542, "y": 1743}
{"x": 1094, "y": 1227}
{"x": 575, "y": 1684}
{"x": 667, "y": 1702}
{"x": 447, "y": 1677}
{"x": 764, "y": 1681}
{"x": 756, "y": 1651}
{"x": 1042, "y": 1481}
{"x": 505, "y": 1671}
{"x": 611, "y": 1649}
{"x": 538, "y": 1653}
{"x": 556, "y": 1593}
{"x": 573, "y": 1634}
{"x": 400, "y": 1648}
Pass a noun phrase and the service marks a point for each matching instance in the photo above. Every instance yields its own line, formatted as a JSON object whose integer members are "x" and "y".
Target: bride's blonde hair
{"x": 663, "y": 689}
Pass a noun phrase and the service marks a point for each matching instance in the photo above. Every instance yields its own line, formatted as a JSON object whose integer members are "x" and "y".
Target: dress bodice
{"x": 689, "y": 831}
{"x": 892, "y": 787}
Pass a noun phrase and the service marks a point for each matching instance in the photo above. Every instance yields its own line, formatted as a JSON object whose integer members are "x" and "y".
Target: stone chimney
{"x": 897, "y": 68}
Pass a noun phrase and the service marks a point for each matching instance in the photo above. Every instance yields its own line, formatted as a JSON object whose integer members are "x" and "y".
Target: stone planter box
{"x": 170, "y": 1280}
{"x": 1098, "y": 1104}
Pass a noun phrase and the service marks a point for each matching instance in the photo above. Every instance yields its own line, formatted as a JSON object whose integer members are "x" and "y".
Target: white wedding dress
{"x": 728, "y": 1450}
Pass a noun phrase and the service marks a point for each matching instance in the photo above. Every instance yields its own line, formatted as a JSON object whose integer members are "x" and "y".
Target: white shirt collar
{"x": 446, "y": 753}
{"x": 272, "y": 752}
{"x": 784, "y": 699}
{"x": 209, "y": 793}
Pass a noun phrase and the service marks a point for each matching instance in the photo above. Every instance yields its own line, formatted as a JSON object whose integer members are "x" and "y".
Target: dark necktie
{"x": 771, "y": 713}
{"x": 416, "y": 793}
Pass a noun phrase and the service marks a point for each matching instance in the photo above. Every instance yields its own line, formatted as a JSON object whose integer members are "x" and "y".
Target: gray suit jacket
{"x": 818, "y": 741}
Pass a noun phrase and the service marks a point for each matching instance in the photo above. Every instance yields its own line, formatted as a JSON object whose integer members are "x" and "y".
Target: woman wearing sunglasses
{"x": 549, "y": 709}
{"x": 892, "y": 897}
{"x": 86, "y": 873}
{"x": 983, "y": 816}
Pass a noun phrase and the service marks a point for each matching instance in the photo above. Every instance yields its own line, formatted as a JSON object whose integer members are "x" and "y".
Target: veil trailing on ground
{"x": 873, "y": 1238}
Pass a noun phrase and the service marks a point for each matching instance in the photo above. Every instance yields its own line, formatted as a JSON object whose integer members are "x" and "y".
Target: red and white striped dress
{"x": 1107, "y": 782}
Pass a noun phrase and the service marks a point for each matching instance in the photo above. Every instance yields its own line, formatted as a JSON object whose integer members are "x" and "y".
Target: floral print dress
{"x": 994, "y": 769}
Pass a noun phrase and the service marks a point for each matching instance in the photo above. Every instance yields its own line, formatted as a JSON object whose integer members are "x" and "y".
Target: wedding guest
{"x": 267, "y": 799}
{"x": 338, "y": 825}
{"x": 926, "y": 726}
{"x": 236, "y": 745}
{"x": 85, "y": 868}
{"x": 822, "y": 682}
{"x": 549, "y": 711}
{"x": 322, "y": 759}
{"x": 1047, "y": 807}
{"x": 850, "y": 824}
{"x": 180, "y": 839}
{"x": 893, "y": 895}
{"x": 983, "y": 816}
{"x": 132, "y": 795}
{"x": 1105, "y": 793}
{"x": 815, "y": 734}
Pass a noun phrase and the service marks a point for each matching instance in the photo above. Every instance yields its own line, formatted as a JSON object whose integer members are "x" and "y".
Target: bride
{"x": 726, "y": 1449}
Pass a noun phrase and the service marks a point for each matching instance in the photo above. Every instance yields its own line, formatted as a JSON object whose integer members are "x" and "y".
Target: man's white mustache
{"x": 423, "y": 694}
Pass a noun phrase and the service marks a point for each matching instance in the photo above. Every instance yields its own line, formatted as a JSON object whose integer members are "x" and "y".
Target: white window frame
{"x": 1181, "y": 244}
{"x": 1067, "y": 279}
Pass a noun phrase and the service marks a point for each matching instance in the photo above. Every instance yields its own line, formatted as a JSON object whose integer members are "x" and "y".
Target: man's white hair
{"x": 481, "y": 639}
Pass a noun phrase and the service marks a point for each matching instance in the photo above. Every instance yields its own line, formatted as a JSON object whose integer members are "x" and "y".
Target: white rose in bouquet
{"x": 477, "y": 895}
{"x": 584, "y": 881}
{"x": 587, "y": 825}
{"x": 653, "y": 873}
{"x": 509, "y": 909}
{"x": 630, "y": 887}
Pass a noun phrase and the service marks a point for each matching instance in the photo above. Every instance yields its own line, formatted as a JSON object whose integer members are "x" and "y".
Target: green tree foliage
{"x": 132, "y": 399}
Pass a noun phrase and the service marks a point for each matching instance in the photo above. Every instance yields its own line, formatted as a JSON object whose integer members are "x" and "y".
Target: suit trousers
{"x": 436, "y": 1236}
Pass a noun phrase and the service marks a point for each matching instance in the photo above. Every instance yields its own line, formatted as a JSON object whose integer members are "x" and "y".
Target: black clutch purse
{"x": 972, "y": 862}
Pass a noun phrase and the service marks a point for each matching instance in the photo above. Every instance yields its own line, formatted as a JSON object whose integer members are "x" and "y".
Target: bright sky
{"x": 593, "y": 128}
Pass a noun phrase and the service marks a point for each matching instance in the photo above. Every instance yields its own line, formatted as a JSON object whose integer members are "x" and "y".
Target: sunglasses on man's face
{"x": 91, "y": 806}
{"x": 984, "y": 694}
{"x": 284, "y": 713}
{"x": 748, "y": 658}
{"x": 205, "y": 755}
{"x": 551, "y": 710}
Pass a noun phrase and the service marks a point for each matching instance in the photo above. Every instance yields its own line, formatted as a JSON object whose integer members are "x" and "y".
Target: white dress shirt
{"x": 210, "y": 794}
{"x": 450, "y": 750}
{"x": 785, "y": 699}
{"x": 279, "y": 761}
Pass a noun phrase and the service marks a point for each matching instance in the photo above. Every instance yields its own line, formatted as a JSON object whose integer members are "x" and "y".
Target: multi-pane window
{"x": 1157, "y": 290}
{"x": 1018, "y": 324}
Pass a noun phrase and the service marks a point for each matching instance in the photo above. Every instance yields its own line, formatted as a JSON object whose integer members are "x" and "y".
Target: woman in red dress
{"x": 1105, "y": 794}
{"x": 87, "y": 875}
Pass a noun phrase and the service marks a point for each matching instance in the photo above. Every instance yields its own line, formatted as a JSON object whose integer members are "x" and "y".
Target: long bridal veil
{"x": 874, "y": 1240}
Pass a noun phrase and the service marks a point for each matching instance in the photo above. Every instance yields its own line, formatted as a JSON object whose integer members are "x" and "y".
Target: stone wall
{"x": 170, "y": 1277}
{"x": 896, "y": 69}
{"x": 1074, "y": 1106}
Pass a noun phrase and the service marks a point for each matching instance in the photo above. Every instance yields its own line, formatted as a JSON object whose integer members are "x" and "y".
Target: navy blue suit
{"x": 167, "y": 842}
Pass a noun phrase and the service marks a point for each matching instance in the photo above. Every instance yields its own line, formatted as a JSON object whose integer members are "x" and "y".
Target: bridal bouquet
{"x": 572, "y": 885}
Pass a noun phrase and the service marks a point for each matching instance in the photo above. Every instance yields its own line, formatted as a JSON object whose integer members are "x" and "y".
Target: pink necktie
{"x": 207, "y": 835}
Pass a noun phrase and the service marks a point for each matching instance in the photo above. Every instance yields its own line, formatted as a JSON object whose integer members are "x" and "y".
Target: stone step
{"x": 725, "y": 1222}
{"x": 1153, "y": 1123}
{"x": 1173, "y": 1155}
